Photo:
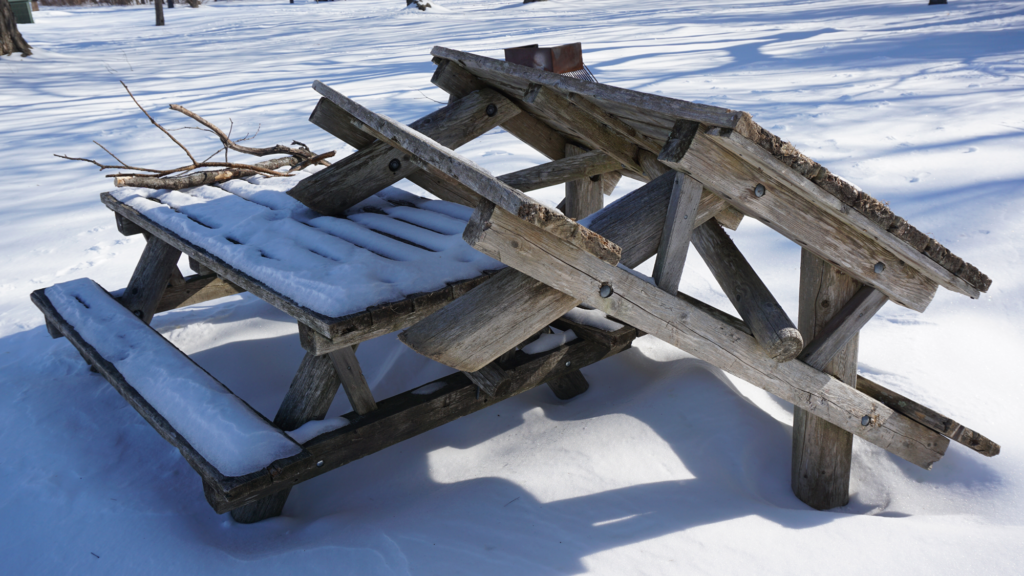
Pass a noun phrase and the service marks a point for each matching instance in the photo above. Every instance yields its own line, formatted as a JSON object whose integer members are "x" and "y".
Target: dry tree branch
{"x": 157, "y": 124}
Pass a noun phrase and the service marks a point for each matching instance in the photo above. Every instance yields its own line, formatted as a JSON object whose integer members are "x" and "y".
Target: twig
{"x": 228, "y": 142}
{"x": 312, "y": 160}
{"x": 200, "y": 178}
{"x": 109, "y": 152}
{"x": 157, "y": 124}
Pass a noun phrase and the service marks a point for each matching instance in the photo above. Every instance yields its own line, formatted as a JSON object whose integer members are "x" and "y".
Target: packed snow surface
{"x": 666, "y": 465}
{"x": 220, "y": 426}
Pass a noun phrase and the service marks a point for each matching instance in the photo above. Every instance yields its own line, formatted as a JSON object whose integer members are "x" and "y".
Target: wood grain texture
{"x": 332, "y": 119}
{"x": 843, "y": 327}
{"x": 150, "y": 279}
{"x": 677, "y": 322}
{"x": 675, "y": 235}
{"x": 578, "y": 165}
{"x": 510, "y": 307}
{"x": 768, "y": 322}
{"x": 653, "y": 168}
{"x": 942, "y": 424}
{"x": 196, "y": 290}
{"x": 488, "y": 379}
{"x": 126, "y": 227}
{"x": 822, "y": 451}
{"x": 346, "y": 366}
{"x": 569, "y": 386}
{"x": 823, "y": 231}
{"x": 583, "y": 196}
{"x": 352, "y": 179}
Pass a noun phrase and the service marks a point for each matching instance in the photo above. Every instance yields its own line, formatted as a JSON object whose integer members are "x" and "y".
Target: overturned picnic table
{"x": 476, "y": 279}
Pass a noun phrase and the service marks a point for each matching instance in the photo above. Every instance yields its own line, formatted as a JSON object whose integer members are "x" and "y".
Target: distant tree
{"x": 10, "y": 39}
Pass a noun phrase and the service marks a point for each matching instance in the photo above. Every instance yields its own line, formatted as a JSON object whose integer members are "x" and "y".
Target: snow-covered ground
{"x": 666, "y": 466}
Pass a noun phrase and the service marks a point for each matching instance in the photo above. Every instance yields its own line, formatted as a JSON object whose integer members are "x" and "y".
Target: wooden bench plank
{"x": 672, "y": 319}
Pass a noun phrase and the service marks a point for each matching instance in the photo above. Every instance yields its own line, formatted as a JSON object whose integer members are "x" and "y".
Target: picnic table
{"x": 490, "y": 282}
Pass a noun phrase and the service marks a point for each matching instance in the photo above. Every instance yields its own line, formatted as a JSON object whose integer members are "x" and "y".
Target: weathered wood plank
{"x": 675, "y": 236}
{"x": 411, "y": 413}
{"x": 351, "y": 180}
{"x": 797, "y": 184}
{"x": 823, "y": 232}
{"x": 580, "y": 164}
{"x": 488, "y": 379}
{"x": 584, "y": 196}
{"x": 727, "y": 216}
{"x": 942, "y": 424}
{"x": 822, "y": 451}
{"x": 346, "y": 365}
{"x": 757, "y": 306}
{"x": 451, "y": 165}
{"x": 195, "y": 290}
{"x": 844, "y": 326}
{"x": 126, "y": 227}
{"x": 574, "y": 120}
{"x": 475, "y": 329}
{"x": 332, "y": 119}
{"x": 624, "y": 296}
{"x": 488, "y": 68}
{"x": 454, "y": 79}
{"x": 627, "y": 131}
{"x": 148, "y": 282}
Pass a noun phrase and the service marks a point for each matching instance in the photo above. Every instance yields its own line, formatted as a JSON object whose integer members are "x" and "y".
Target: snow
{"x": 314, "y": 428}
{"x": 226, "y": 432}
{"x": 334, "y": 266}
{"x": 548, "y": 342}
{"x": 666, "y": 465}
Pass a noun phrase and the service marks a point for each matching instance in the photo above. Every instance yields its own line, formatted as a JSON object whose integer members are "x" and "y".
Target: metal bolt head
{"x": 879, "y": 268}
{"x": 606, "y": 291}
{"x": 319, "y": 463}
{"x": 395, "y": 165}
{"x": 492, "y": 110}
{"x": 567, "y": 364}
{"x": 759, "y": 190}
{"x": 865, "y": 421}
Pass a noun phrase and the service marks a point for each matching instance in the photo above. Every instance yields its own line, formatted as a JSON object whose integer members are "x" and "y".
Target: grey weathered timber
{"x": 844, "y": 326}
{"x": 332, "y": 119}
{"x": 679, "y": 141}
{"x": 337, "y": 332}
{"x": 783, "y": 176}
{"x": 409, "y": 414}
{"x": 675, "y": 236}
{"x": 579, "y": 164}
{"x": 569, "y": 385}
{"x": 632, "y": 300}
{"x": 584, "y": 196}
{"x": 309, "y": 398}
{"x": 346, "y": 365}
{"x": 361, "y": 175}
{"x": 628, "y": 132}
{"x": 757, "y": 306}
{"x": 195, "y": 290}
{"x": 517, "y": 77}
{"x": 942, "y": 424}
{"x": 454, "y": 79}
{"x": 728, "y": 216}
{"x": 126, "y": 227}
{"x": 449, "y": 164}
{"x": 475, "y": 329}
{"x": 488, "y": 379}
{"x": 560, "y": 111}
{"x": 820, "y": 474}
{"x": 217, "y": 487}
{"x": 152, "y": 273}
{"x": 823, "y": 231}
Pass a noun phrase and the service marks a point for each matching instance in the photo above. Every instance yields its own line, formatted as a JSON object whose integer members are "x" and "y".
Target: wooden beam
{"x": 454, "y": 79}
{"x": 126, "y": 227}
{"x": 338, "y": 123}
{"x": 822, "y": 451}
{"x": 783, "y": 176}
{"x": 942, "y": 424}
{"x": 569, "y": 386}
{"x": 346, "y": 366}
{"x": 409, "y": 414}
{"x": 625, "y": 130}
{"x": 578, "y": 165}
{"x": 728, "y": 216}
{"x": 447, "y": 163}
{"x": 467, "y": 334}
{"x": 195, "y": 290}
{"x": 497, "y": 71}
{"x": 152, "y": 273}
{"x": 489, "y": 378}
{"x": 622, "y": 295}
{"x": 573, "y": 120}
{"x": 759, "y": 309}
{"x": 824, "y": 232}
{"x": 675, "y": 236}
{"x": 843, "y": 327}
{"x": 584, "y": 196}
{"x": 351, "y": 180}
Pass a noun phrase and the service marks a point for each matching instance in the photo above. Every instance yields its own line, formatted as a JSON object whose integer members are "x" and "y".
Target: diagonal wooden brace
{"x": 630, "y": 299}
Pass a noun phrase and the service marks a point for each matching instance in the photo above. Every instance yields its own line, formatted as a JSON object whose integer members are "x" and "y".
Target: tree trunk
{"x": 10, "y": 39}
{"x": 159, "y": 12}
